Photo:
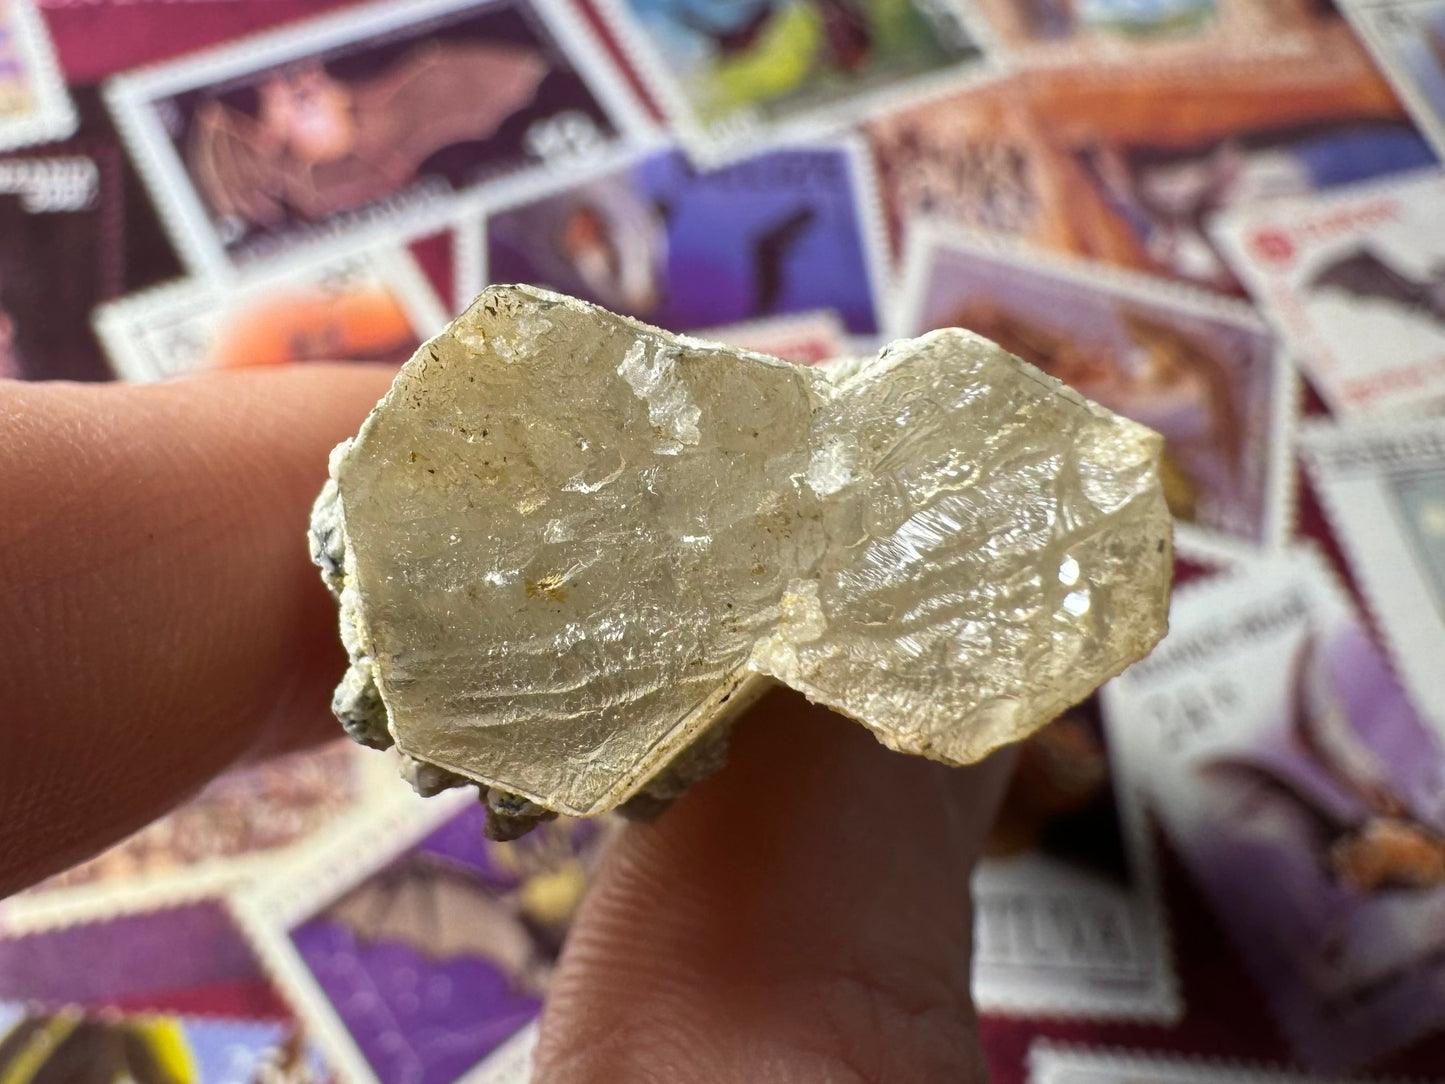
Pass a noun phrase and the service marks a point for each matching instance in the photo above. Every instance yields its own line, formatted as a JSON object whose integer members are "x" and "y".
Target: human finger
{"x": 802, "y": 915}
{"x": 160, "y": 618}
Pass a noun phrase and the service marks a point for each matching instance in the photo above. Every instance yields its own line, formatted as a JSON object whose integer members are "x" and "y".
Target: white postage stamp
{"x": 244, "y": 825}
{"x": 1068, "y": 916}
{"x": 1383, "y": 488}
{"x": 1305, "y": 796}
{"x": 34, "y": 107}
{"x": 737, "y": 76}
{"x": 370, "y": 305}
{"x": 1355, "y": 283}
{"x": 414, "y": 948}
{"x": 376, "y": 118}
{"x": 1203, "y": 371}
{"x": 510, "y": 1063}
{"x": 1408, "y": 39}
{"x": 792, "y": 230}
{"x": 1050, "y": 1063}
{"x": 805, "y": 339}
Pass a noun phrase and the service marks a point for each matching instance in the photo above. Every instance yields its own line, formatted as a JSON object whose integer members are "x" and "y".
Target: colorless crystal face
{"x": 566, "y": 543}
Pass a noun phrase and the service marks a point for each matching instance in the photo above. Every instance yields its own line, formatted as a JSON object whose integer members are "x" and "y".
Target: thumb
{"x": 803, "y": 915}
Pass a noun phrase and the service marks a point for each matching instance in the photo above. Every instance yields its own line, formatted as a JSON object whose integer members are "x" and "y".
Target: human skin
{"x": 802, "y": 915}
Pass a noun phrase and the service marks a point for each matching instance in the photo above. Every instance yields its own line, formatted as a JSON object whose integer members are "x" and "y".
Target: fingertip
{"x": 805, "y": 912}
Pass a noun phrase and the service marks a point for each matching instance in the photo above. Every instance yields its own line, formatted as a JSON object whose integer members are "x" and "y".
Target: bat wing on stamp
{"x": 779, "y": 233}
{"x": 358, "y": 121}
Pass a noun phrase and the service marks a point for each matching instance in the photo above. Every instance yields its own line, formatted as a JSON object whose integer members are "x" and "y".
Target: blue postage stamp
{"x": 787, "y": 232}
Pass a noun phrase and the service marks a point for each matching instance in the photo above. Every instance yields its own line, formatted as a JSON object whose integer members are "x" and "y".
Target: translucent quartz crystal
{"x": 567, "y": 544}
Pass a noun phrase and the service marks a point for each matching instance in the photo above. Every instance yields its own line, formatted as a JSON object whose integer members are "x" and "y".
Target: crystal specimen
{"x": 567, "y": 546}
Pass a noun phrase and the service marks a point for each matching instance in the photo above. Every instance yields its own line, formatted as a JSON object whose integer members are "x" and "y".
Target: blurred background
{"x": 1222, "y": 218}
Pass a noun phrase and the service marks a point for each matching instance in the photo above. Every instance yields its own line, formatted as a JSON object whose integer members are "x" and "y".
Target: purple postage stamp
{"x": 787, "y": 232}
{"x": 34, "y": 107}
{"x": 1069, "y": 920}
{"x": 380, "y": 116}
{"x": 1306, "y": 797}
{"x": 1203, "y": 371}
{"x": 165, "y": 995}
{"x": 417, "y": 949}
{"x": 1383, "y": 487}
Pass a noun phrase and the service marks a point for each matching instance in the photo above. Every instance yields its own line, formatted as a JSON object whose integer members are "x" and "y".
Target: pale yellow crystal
{"x": 566, "y": 544}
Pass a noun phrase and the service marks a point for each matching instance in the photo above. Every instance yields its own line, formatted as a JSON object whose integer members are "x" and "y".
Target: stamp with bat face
{"x": 1382, "y": 483}
{"x": 736, "y": 76}
{"x": 355, "y": 122}
{"x": 425, "y": 958}
{"x": 372, "y": 305}
{"x": 1355, "y": 283}
{"x": 1203, "y": 371}
{"x": 1408, "y": 39}
{"x": 34, "y": 107}
{"x": 1068, "y": 917}
{"x": 153, "y": 996}
{"x": 786, "y": 232}
{"x": 1306, "y": 797}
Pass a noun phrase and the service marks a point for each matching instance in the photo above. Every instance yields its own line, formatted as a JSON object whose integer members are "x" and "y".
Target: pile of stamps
{"x": 1222, "y": 218}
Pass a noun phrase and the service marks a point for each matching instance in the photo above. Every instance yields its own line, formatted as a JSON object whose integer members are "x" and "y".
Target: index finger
{"x": 160, "y": 617}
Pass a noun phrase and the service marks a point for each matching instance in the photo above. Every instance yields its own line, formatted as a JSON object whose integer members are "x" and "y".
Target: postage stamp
{"x": 371, "y": 305}
{"x": 1408, "y": 39}
{"x": 1050, "y": 1063}
{"x": 1355, "y": 282}
{"x": 1203, "y": 371}
{"x": 62, "y": 221}
{"x": 1068, "y": 916}
{"x": 34, "y": 107}
{"x": 510, "y": 1063}
{"x": 356, "y": 122}
{"x": 736, "y": 77}
{"x": 1125, "y": 164}
{"x": 786, "y": 232}
{"x": 240, "y": 827}
{"x": 807, "y": 338}
{"x": 976, "y": 158}
{"x": 1383, "y": 488}
{"x": 413, "y": 947}
{"x": 1305, "y": 796}
{"x": 1163, "y": 31}
{"x": 1155, "y": 160}
{"x": 166, "y": 995}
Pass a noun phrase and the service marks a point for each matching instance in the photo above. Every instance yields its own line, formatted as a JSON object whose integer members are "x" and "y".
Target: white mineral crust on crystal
{"x": 566, "y": 544}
